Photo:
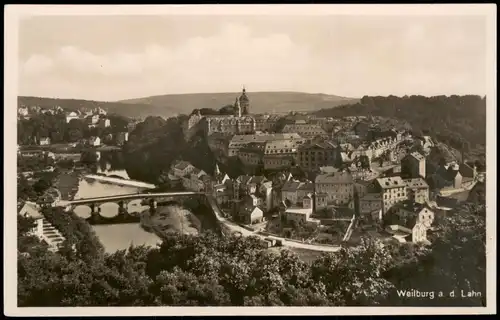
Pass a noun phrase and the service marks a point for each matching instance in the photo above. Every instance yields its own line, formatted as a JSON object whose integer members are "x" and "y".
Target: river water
{"x": 119, "y": 236}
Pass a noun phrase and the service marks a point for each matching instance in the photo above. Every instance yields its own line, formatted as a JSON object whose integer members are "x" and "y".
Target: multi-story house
{"x": 289, "y": 191}
{"x": 239, "y": 141}
{"x": 412, "y": 219}
{"x": 252, "y": 155}
{"x": 266, "y": 193}
{"x": 417, "y": 190}
{"x": 305, "y": 188}
{"x": 295, "y": 191}
{"x": 305, "y": 130}
{"x": 338, "y": 186}
{"x": 246, "y": 184}
{"x": 370, "y": 203}
{"x": 361, "y": 187}
{"x": 249, "y": 214}
{"x": 281, "y": 153}
{"x": 277, "y": 162}
{"x": 265, "y": 122}
{"x": 197, "y": 180}
{"x": 223, "y": 191}
{"x": 182, "y": 168}
{"x": 312, "y": 156}
{"x": 419, "y": 213}
{"x": 413, "y": 165}
{"x": 392, "y": 191}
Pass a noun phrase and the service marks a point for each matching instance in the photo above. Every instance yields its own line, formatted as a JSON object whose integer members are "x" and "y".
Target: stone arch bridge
{"x": 129, "y": 206}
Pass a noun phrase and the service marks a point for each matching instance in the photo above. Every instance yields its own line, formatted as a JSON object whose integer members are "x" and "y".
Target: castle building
{"x": 240, "y": 123}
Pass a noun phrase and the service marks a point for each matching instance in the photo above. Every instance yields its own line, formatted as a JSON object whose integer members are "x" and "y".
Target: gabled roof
{"x": 243, "y": 179}
{"x": 417, "y": 155}
{"x": 181, "y": 165}
{"x": 257, "y": 180}
{"x": 416, "y": 183}
{"x": 338, "y": 177}
{"x": 411, "y": 206}
{"x": 290, "y": 186}
{"x": 308, "y": 186}
{"x": 328, "y": 169}
{"x": 30, "y": 209}
{"x": 391, "y": 182}
{"x": 371, "y": 197}
{"x": 446, "y": 202}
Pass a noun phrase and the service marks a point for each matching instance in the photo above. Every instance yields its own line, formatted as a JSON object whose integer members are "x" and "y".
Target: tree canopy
{"x": 208, "y": 270}
{"x": 459, "y": 121}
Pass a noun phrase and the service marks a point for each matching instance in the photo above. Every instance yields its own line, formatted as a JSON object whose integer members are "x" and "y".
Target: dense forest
{"x": 156, "y": 143}
{"x": 208, "y": 270}
{"x": 454, "y": 120}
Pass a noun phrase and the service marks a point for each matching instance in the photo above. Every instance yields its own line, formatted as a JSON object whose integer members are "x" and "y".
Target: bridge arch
{"x": 109, "y": 209}
{"x": 83, "y": 211}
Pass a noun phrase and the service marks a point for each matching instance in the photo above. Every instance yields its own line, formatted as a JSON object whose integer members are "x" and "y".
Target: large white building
{"x": 281, "y": 153}
{"x": 338, "y": 186}
{"x": 392, "y": 191}
{"x": 305, "y": 130}
{"x": 239, "y": 141}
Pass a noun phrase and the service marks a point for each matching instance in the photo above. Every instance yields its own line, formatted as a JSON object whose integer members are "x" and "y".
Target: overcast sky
{"x": 120, "y": 57}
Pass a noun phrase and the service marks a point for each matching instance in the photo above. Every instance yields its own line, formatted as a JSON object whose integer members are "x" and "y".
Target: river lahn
{"x": 119, "y": 236}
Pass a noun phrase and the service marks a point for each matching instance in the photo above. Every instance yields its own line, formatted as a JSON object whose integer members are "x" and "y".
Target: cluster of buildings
{"x": 93, "y": 118}
{"x": 379, "y": 173}
{"x": 25, "y": 112}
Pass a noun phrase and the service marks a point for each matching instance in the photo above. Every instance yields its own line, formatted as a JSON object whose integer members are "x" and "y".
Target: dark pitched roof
{"x": 337, "y": 177}
{"x": 446, "y": 202}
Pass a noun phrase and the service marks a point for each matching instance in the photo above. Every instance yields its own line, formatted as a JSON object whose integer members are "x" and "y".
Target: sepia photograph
{"x": 326, "y": 156}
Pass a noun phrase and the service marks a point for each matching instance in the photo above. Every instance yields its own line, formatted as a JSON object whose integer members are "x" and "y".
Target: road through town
{"x": 246, "y": 233}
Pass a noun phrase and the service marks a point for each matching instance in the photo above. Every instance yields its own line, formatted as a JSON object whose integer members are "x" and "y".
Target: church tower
{"x": 244, "y": 102}
{"x": 237, "y": 106}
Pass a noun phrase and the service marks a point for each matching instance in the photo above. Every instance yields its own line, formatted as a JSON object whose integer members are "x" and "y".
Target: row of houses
{"x": 117, "y": 138}
{"x": 280, "y": 151}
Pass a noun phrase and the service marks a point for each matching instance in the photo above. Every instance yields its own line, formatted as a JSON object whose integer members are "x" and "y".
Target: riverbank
{"x": 67, "y": 183}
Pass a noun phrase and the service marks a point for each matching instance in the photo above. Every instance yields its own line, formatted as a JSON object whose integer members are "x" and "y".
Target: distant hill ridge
{"x": 260, "y": 102}
{"x": 173, "y": 104}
